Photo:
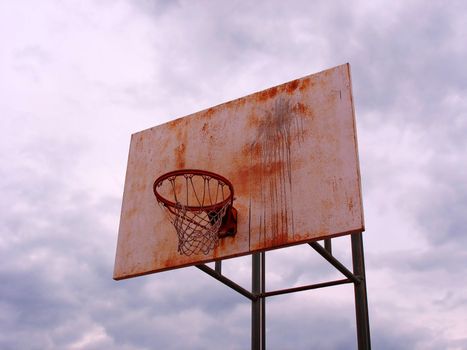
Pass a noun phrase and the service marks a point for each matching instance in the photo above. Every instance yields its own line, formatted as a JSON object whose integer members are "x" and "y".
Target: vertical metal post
{"x": 328, "y": 245}
{"x": 255, "y": 304}
{"x": 218, "y": 267}
{"x": 361, "y": 300}
{"x": 258, "y": 309}
{"x": 263, "y": 301}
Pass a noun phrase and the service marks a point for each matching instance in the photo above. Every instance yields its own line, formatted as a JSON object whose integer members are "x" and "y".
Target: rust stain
{"x": 302, "y": 109}
{"x": 291, "y": 86}
{"x": 242, "y": 175}
{"x": 208, "y": 113}
{"x": 295, "y": 113}
{"x": 273, "y": 170}
{"x": 279, "y": 222}
{"x": 240, "y": 102}
{"x": 175, "y": 124}
{"x": 254, "y": 121}
{"x": 305, "y": 84}
{"x": 288, "y": 88}
{"x": 180, "y": 156}
{"x": 180, "y": 150}
{"x": 266, "y": 94}
{"x": 222, "y": 245}
{"x": 171, "y": 261}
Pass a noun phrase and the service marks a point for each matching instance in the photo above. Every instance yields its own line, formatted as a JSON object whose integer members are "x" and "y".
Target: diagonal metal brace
{"x": 228, "y": 282}
{"x": 336, "y": 263}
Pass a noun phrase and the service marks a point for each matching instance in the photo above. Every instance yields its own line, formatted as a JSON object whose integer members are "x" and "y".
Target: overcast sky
{"x": 78, "y": 77}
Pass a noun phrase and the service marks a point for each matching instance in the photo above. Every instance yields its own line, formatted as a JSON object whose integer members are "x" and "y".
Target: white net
{"x": 200, "y": 203}
{"x": 197, "y": 231}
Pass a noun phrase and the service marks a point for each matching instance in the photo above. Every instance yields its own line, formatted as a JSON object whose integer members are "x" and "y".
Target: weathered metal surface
{"x": 290, "y": 152}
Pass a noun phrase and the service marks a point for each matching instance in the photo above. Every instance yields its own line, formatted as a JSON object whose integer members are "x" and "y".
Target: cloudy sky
{"x": 78, "y": 77}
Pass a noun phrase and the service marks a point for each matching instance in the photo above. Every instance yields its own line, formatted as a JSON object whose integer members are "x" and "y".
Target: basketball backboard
{"x": 289, "y": 153}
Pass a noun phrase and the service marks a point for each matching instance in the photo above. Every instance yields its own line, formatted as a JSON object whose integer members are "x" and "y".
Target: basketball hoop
{"x": 201, "y": 209}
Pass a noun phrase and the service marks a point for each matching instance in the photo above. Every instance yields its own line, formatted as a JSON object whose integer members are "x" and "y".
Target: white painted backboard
{"x": 290, "y": 152}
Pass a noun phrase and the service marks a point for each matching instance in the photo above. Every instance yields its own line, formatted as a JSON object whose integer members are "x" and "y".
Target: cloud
{"x": 78, "y": 79}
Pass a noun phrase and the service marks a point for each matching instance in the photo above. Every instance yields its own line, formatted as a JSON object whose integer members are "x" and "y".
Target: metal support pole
{"x": 258, "y": 294}
{"x": 361, "y": 300}
{"x": 227, "y": 282}
{"x": 263, "y": 301}
{"x": 334, "y": 262}
{"x": 328, "y": 245}
{"x": 218, "y": 267}
{"x": 307, "y": 287}
{"x": 258, "y": 305}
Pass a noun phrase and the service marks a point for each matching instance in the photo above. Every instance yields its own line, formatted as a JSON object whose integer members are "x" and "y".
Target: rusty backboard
{"x": 290, "y": 153}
